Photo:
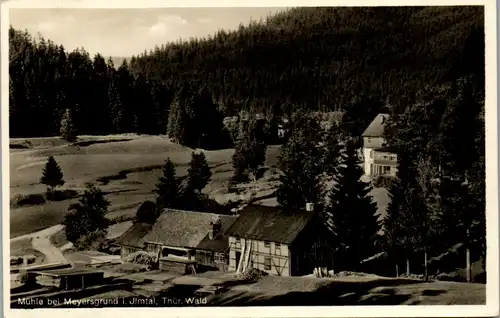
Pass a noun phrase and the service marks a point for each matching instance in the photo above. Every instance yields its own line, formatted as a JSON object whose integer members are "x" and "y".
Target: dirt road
{"x": 41, "y": 242}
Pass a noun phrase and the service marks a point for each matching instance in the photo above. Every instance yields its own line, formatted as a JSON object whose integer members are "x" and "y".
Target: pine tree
{"x": 88, "y": 215}
{"x": 68, "y": 130}
{"x": 199, "y": 173}
{"x": 397, "y": 240}
{"x": 52, "y": 175}
{"x": 302, "y": 164}
{"x": 250, "y": 150}
{"x": 351, "y": 212}
{"x": 168, "y": 188}
{"x": 181, "y": 126}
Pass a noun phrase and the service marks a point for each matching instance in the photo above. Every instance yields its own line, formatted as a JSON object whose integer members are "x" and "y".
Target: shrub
{"x": 63, "y": 195}
{"x": 252, "y": 274}
{"x": 450, "y": 277}
{"x": 29, "y": 199}
{"x": 383, "y": 181}
{"x": 121, "y": 219}
{"x": 93, "y": 241}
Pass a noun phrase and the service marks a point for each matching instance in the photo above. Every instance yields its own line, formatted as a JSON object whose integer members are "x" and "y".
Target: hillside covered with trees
{"x": 318, "y": 58}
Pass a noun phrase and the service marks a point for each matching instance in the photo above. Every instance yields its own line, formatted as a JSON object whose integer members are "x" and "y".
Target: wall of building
{"x": 270, "y": 257}
{"x": 368, "y": 161}
{"x": 127, "y": 250}
{"x": 373, "y": 142}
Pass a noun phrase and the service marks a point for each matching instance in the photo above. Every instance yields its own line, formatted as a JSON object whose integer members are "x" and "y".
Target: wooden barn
{"x": 131, "y": 241}
{"x": 279, "y": 242}
{"x": 183, "y": 240}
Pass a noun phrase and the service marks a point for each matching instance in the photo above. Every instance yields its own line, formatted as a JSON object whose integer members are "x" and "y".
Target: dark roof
{"x": 220, "y": 242}
{"x": 269, "y": 224}
{"x": 179, "y": 228}
{"x": 133, "y": 236}
{"x": 67, "y": 272}
{"x": 376, "y": 127}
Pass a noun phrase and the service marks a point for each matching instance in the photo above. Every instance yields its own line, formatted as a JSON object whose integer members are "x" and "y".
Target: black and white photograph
{"x": 204, "y": 157}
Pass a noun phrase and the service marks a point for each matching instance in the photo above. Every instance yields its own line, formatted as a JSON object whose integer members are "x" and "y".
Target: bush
{"x": 93, "y": 241}
{"x": 383, "y": 181}
{"x": 450, "y": 277}
{"x": 29, "y": 199}
{"x": 121, "y": 219}
{"x": 252, "y": 274}
{"x": 63, "y": 195}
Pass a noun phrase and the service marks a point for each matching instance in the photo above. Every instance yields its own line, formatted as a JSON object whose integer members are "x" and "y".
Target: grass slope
{"x": 137, "y": 161}
{"x": 127, "y": 168}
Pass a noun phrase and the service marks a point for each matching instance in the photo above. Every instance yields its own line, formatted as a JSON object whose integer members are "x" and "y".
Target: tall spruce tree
{"x": 250, "y": 150}
{"x": 199, "y": 173}
{"x": 52, "y": 175}
{"x": 301, "y": 162}
{"x": 168, "y": 188}
{"x": 68, "y": 129}
{"x": 351, "y": 212}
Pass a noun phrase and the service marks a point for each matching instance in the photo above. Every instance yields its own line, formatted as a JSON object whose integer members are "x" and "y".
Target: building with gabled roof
{"x": 378, "y": 159}
{"x": 278, "y": 241}
{"x": 181, "y": 237}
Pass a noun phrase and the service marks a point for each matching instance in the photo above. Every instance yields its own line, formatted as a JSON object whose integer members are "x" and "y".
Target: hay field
{"x": 126, "y": 167}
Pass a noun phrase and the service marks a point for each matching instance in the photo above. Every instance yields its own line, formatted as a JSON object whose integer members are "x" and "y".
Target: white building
{"x": 378, "y": 159}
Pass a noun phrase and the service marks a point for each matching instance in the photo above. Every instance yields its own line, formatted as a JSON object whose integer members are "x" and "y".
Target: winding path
{"x": 41, "y": 241}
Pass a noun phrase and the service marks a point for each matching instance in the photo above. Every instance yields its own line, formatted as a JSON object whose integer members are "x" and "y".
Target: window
{"x": 267, "y": 263}
{"x": 267, "y": 244}
{"x": 277, "y": 249}
{"x": 220, "y": 258}
{"x": 387, "y": 169}
{"x": 371, "y": 154}
{"x": 277, "y": 246}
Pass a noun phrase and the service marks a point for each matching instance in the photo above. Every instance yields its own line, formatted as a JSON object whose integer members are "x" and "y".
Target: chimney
{"x": 215, "y": 228}
{"x": 309, "y": 206}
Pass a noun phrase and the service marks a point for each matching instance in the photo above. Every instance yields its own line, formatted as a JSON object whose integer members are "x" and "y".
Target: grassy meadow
{"x": 125, "y": 167}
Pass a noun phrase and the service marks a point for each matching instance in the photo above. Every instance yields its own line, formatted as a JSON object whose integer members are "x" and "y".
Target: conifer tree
{"x": 68, "y": 129}
{"x": 199, "y": 173}
{"x": 351, "y": 212}
{"x": 168, "y": 188}
{"x": 301, "y": 162}
{"x": 88, "y": 215}
{"x": 250, "y": 150}
{"x": 52, "y": 175}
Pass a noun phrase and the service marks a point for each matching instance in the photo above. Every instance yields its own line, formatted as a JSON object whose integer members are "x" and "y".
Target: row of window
{"x": 383, "y": 157}
{"x": 277, "y": 246}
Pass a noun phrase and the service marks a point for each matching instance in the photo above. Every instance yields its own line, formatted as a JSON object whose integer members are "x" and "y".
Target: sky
{"x": 127, "y": 32}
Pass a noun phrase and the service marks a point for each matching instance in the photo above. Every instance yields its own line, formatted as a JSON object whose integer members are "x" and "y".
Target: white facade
{"x": 377, "y": 161}
{"x": 271, "y": 257}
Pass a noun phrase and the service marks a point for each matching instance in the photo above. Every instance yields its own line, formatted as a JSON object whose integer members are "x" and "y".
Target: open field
{"x": 126, "y": 167}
